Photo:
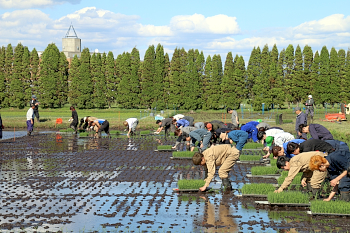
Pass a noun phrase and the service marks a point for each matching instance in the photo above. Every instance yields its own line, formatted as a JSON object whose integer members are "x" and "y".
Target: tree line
{"x": 187, "y": 81}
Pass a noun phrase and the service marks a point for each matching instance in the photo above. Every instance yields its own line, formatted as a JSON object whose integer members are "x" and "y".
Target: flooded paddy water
{"x": 60, "y": 183}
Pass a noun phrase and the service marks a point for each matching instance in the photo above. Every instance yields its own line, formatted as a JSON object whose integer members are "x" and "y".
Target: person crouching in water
{"x": 100, "y": 125}
{"x": 74, "y": 119}
{"x": 224, "y": 156}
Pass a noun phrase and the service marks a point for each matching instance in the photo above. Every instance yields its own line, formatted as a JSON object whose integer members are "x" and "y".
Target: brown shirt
{"x": 215, "y": 156}
{"x": 299, "y": 163}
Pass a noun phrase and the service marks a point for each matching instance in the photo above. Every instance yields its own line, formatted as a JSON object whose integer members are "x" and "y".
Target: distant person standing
{"x": 310, "y": 107}
{"x": 301, "y": 119}
{"x": 36, "y": 103}
{"x": 74, "y": 119}
{"x": 30, "y": 119}
{"x": 234, "y": 117}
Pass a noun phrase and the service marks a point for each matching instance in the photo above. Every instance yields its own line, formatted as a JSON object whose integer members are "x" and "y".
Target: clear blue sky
{"x": 215, "y": 27}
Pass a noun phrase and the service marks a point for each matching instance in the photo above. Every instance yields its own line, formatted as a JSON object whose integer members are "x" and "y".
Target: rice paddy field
{"x": 52, "y": 182}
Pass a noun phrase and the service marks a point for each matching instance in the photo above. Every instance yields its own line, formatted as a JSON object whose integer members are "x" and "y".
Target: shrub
{"x": 288, "y": 197}
{"x": 190, "y": 184}
{"x": 331, "y": 207}
{"x": 259, "y": 170}
{"x": 262, "y": 189}
{"x": 284, "y": 174}
{"x": 249, "y": 157}
{"x": 183, "y": 154}
{"x": 252, "y": 145}
{"x": 164, "y": 147}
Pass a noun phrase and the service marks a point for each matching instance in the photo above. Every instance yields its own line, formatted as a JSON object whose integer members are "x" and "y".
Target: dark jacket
{"x": 318, "y": 131}
{"x": 36, "y": 106}
{"x": 316, "y": 145}
{"x": 301, "y": 119}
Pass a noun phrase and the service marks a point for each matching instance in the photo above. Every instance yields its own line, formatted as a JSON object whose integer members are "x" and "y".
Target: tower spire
{"x": 68, "y": 34}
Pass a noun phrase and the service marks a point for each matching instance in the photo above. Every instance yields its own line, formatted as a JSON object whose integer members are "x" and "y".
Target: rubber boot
{"x": 28, "y": 133}
{"x": 227, "y": 185}
{"x": 345, "y": 196}
{"x": 312, "y": 119}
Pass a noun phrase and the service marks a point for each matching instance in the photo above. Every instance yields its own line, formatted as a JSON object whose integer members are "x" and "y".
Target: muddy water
{"x": 52, "y": 182}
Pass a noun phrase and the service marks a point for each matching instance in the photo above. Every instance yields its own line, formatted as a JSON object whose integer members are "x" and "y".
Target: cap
{"x": 33, "y": 97}
{"x": 229, "y": 109}
{"x": 310, "y": 96}
{"x": 297, "y": 109}
{"x": 223, "y": 136}
{"x": 269, "y": 141}
{"x": 209, "y": 126}
{"x": 259, "y": 120}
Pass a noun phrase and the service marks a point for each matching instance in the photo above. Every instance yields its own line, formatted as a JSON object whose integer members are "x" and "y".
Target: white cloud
{"x": 25, "y": 4}
{"x": 329, "y": 24}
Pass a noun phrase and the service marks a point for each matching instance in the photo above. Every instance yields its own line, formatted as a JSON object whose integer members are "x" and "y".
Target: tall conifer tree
{"x": 298, "y": 90}
{"x": 308, "y": 60}
{"x": 134, "y": 83}
{"x": 166, "y": 85}
{"x": 334, "y": 88}
{"x": 315, "y": 69}
{"x": 228, "y": 82}
{"x": 2, "y": 77}
{"x": 34, "y": 65}
{"x": 111, "y": 81}
{"x": 175, "y": 80}
{"x": 158, "y": 81}
{"x": 288, "y": 71}
{"x": 260, "y": 88}
{"x": 206, "y": 83}
{"x": 26, "y": 76}
{"x": 16, "y": 91}
{"x": 125, "y": 71}
{"x": 85, "y": 88}
{"x": 323, "y": 82}
{"x": 62, "y": 80}
{"x": 214, "y": 88}
{"x": 74, "y": 78}
{"x": 343, "y": 81}
{"x": 148, "y": 73}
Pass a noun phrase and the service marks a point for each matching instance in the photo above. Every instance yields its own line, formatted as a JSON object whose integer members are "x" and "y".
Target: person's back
{"x": 281, "y": 138}
{"x": 273, "y": 132}
{"x": 318, "y": 131}
{"x": 316, "y": 145}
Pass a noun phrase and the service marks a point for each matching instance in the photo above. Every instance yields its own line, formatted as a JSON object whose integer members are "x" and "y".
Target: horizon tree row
{"x": 187, "y": 81}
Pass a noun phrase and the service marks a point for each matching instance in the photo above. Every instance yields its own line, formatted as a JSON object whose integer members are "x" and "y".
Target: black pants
{"x": 74, "y": 125}
{"x": 104, "y": 127}
{"x": 36, "y": 113}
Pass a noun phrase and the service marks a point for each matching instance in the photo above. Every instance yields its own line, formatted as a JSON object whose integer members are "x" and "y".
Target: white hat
{"x": 310, "y": 96}
{"x": 85, "y": 118}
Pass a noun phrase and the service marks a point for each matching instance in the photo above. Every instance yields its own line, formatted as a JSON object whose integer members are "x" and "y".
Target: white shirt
{"x": 30, "y": 114}
{"x": 273, "y": 132}
{"x": 281, "y": 138}
{"x": 131, "y": 121}
{"x": 178, "y": 116}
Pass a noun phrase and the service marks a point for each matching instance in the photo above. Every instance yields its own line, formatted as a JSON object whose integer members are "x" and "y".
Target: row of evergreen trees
{"x": 188, "y": 81}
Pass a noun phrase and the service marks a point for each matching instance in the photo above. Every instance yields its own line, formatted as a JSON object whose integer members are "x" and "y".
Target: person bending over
{"x": 283, "y": 151}
{"x": 310, "y": 145}
{"x": 131, "y": 124}
{"x": 199, "y": 135}
{"x": 316, "y": 131}
{"x": 100, "y": 125}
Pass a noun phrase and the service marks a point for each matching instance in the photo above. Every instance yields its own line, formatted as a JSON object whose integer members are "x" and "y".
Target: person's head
{"x": 198, "y": 159}
{"x": 293, "y": 148}
{"x": 177, "y": 132}
{"x": 303, "y": 128}
{"x": 277, "y": 151}
{"x": 310, "y": 96}
{"x": 283, "y": 163}
{"x": 86, "y": 119}
{"x": 91, "y": 123}
{"x": 229, "y": 110}
{"x": 209, "y": 127}
{"x": 72, "y": 108}
{"x": 319, "y": 163}
{"x": 261, "y": 135}
{"x": 269, "y": 141}
{"x": 297, "y": 110}
{"x": 125, "y": 123}
{"x": 159, "y": 122}
{"x": 33, "y": 97}
{"x": 174, "y": 122}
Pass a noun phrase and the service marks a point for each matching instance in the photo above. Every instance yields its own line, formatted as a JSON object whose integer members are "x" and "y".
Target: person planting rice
{"x": 234, "y": 117}
{"x": 336, "y": 164}
{"x": 164, "y": 124}
{"x": 239, "y": 137}
{"x": 101, "y": 125}
{"x": 178, "y": 116}
{"x": 30, "y": 119}
{"x": 283, "y": 151}
{"x": 316, "y": 131}
{"x": 262, "y": 134}
{"x": 310, "y": 145}
{"x": 224, "y": 156}
{"x": 300, "y": 120}
{"x": 216, "y": 125}
{"x": 131, "y": 124}
{"x": 300, "y": 163}
{"x": 182, "y": 133}
{"x": 74, "y": 119}
{"x": 199, "y": 125}
{"x": 251, "y": 129}
{"x": 218, "y": 132}
{"x": 199, "y": 135}
{"x": 85, "y": 121}
{"x": 277, "y": 140}
{"x": 181, "y": 123}
{"x": 263, "y": 126}
{"x": 189, "y": 119}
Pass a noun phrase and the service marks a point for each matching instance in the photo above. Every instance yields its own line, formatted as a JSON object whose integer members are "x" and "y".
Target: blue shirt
{"x": 251, "y": 129}
{"x": 297, "y": 141}
{"x": 183, "y": 123}
{"x": 100, "y": 121}
{"x": 239, "y": 137}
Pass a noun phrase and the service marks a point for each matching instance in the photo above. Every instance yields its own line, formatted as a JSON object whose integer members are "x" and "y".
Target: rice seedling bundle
{"x": 296, "y": 180}
{"x": 84, "y": 134}
{"x": 330, "y": 207}
{"x": 164, "y": 147}
{"x": 259, "y": 170}
{"x": 261, "y": 189}
{"x": 249, "y": 157}
{"x": 183, "y": 154}
{"x": 288, "y": 197}
{"x": 190, "y": 184}
{"x": 252, "y": 145}
{"x": 67, "y": 130}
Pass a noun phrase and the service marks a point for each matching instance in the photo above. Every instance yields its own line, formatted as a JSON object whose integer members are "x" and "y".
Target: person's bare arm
{"x": 336, "y": 180}
{"x": 288, "y": 180}
{"x": 98, "y": 126}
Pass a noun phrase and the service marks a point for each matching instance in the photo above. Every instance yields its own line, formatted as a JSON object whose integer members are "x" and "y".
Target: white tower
{"x": 71, "y": 44}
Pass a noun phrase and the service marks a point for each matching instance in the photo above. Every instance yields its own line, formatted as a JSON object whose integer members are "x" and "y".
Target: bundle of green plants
{"x": 249, "y": 157}
{"x": 296, "y": 180}
{"x": 114, "y": 132}
{"x": 190, "y": 184}
{"x": 273, "y": 161}
{"x": 259, "y": 170}
{"x": 145, "y": 132}
{"x": 252, "y": 145}
{"x": 288, "y": 197}
{"x": 330, "y": 207}
{"x": 164, "y": 147}
{"x": 261, "y": 189}
{"x": 69, "y": 130}
{"x": 81, "y": 130}
{"x": 85, "y": 134}
{"x": 183, "y": 154}
{"x": 195, "y": 149}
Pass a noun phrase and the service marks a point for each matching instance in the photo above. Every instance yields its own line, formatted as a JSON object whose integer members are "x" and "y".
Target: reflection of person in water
{"x": 221, "y": 223}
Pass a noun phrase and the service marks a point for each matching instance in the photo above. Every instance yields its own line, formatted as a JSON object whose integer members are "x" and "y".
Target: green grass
{"x": 288, "y": 197}
{"x": 259, "y": 170}
{"x": 330, "y": 207}
{"x": 252, "y": 145}
{"x": 249, "y": 157}
{"x": 190, "y": 184}
{"x": 114, "y": 132}
{"x": 164, "y": 147}
{"x": 145, "y": 132}
{"x": 287, "y": 121}
{"x": 261, "y": 189}
{"x": 273, "y": 161}
{"x": 85, "y": 134}
{"x": 183, "y": 154}
{"x": 296, "y": 180}
{"x": 69, "y": 130}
